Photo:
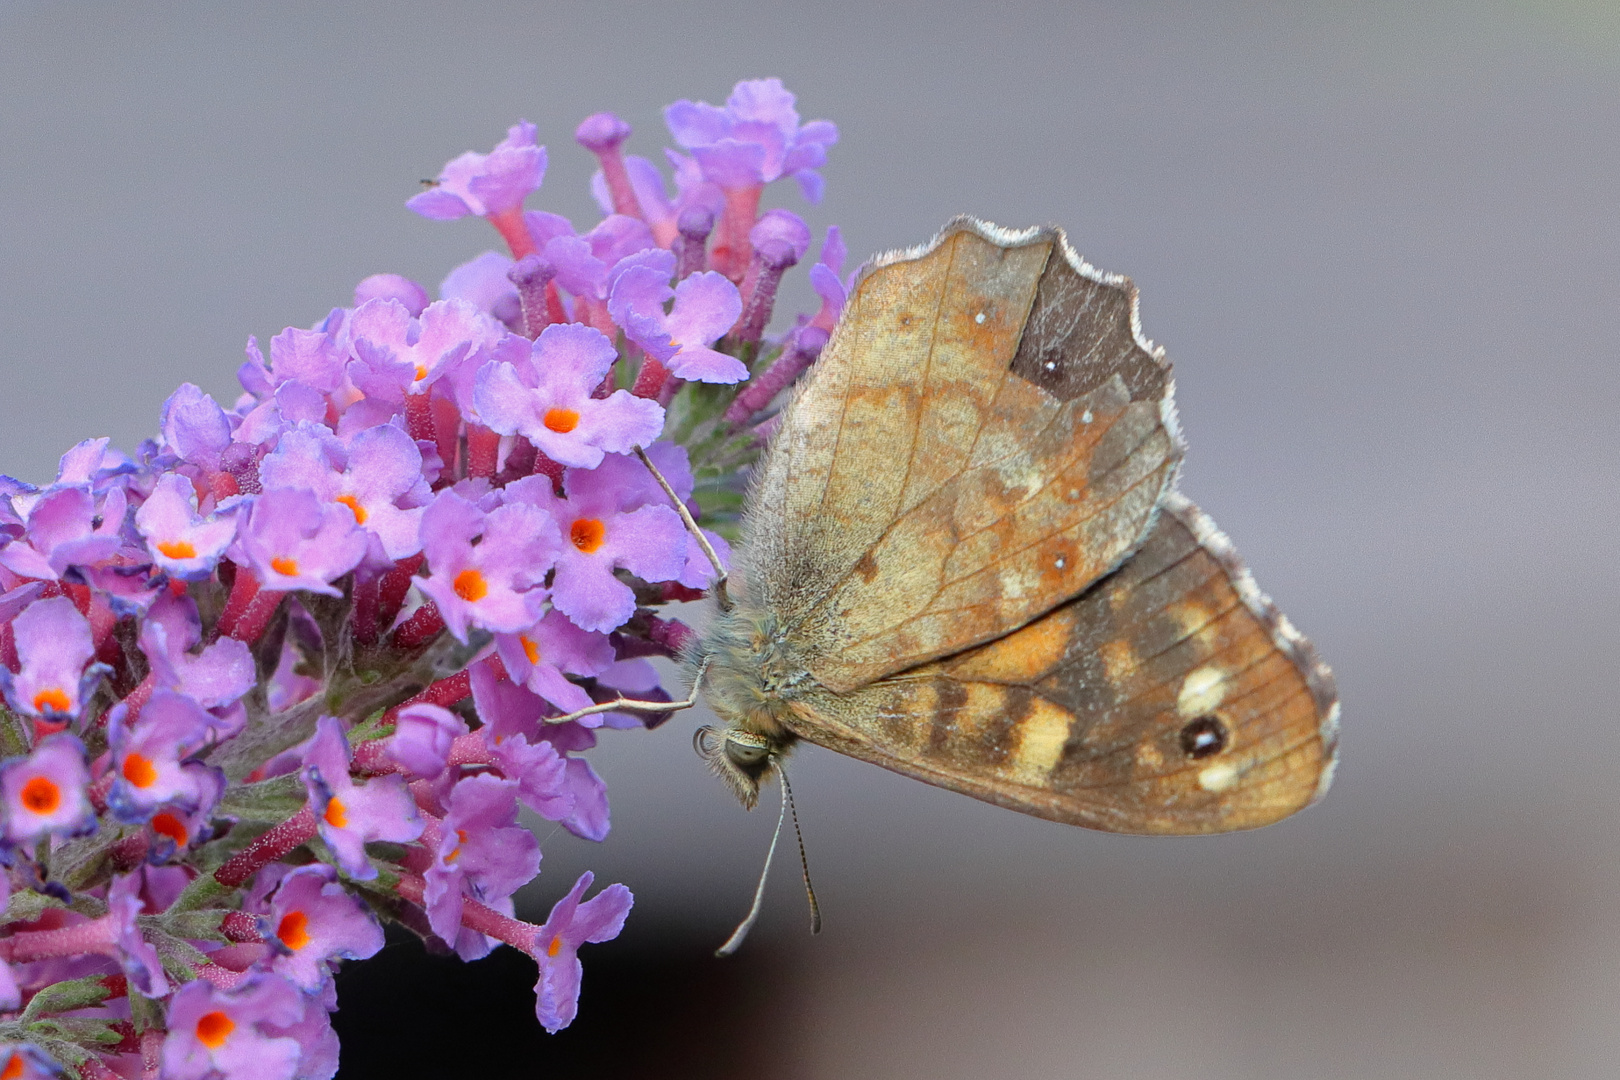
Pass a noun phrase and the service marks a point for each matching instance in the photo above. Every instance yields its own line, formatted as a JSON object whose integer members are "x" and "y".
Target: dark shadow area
{"x": 653, "y": 1005}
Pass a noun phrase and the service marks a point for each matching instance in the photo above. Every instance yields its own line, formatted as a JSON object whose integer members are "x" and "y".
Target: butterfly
{"x": 965, "y": 559}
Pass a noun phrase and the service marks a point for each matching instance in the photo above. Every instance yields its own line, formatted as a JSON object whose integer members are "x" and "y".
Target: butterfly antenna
{"x": 734, "y": 942}
{"x": 720, "y": 595}
{"x": 632, "y": 705}
{"x": 804, "y": 861}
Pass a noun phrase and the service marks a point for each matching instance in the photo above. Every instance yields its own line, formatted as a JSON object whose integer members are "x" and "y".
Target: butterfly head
{"x": 743, "y": 759}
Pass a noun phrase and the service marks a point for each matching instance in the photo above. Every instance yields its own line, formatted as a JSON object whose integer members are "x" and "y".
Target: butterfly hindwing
{"x": 986, "y": 435}
{"x": 1170, "y": 698}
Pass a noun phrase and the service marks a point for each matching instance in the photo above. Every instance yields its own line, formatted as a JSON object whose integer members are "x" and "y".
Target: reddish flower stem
{"x": 418, "y": 416}
{"x": 256, "y": 618}
{"x": 269, "y": 847}
{"x": 475, "y": 916}
{"x": 423, "y": 626}
{"x": 732, "y": 250}
{"x": 446, "y": 432}
{"x": 244, "y": 587}
{"x": 240, "y": 926}
{"x": 514, "y": 230}
{"x": 363, "y": 622}
{"x": 650, "y": 379}
{"x": 483, "y": 450}
{"x": 793, "y": 362}
{"x": 392, "y": 589}
{"x": 93, "y": 1069}
{"x": 622, "y": 192}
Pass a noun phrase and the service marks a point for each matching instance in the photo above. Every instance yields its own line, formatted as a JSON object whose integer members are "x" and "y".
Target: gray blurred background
{"x": 1381, "y": 243}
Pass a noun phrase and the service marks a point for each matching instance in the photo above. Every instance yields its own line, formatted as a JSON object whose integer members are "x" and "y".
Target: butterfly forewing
{"x": 986, "y": 435}
{"x": 1170, "y": 698}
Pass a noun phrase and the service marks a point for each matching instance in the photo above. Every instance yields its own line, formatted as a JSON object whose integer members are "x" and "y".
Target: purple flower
{"x": 153, "y": 755}
{"x": 486, "y": 184}
{"x": 482, "y": 282}
{"x": 234, "y": 1033}
{"x": 583, "y": 262}
{"x": 54, "y": 647}
{"x": 550, "y": 401}
{"x": 180, "y": 540}
{"x": 494, "y": 583}
{"x": 289, "y": 539}
{"x": 556, "y": 946}
{"x": 195, "y": 428}
{"x": 828, "y": 285}
{"x": 136, "y": 955}
{"x": 25, "y": 1061}
{"x": 314, "y": 920}
{"x": 350, "y": 815}
{"x": 314, "y": 358}
{"x": 660, "y": 211}
{"x": 392, "y": 287}
{"x": 754, "y": 139}
{"x": 214, "y": 678}
{"x": 542, "y": 657}
{"x": 483, "y": 852}
{"x": 399, "y": 354}
{"x": 379, "y": 468}
{"x": 422, "y": 738}
{"x": 67, "y": 527}
{"x": 511, "y": 728}
{"x": 44, "y": 793}
{"x": 608, "y": 525}
{"x": 706, "y": 306}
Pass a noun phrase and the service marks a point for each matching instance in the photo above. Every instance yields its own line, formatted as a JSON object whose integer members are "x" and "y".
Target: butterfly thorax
{"x": 752, "y": 676}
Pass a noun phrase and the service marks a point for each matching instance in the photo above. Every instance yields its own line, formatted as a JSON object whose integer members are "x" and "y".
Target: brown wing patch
{"x": 1180, "y": 701}
{"x": 923, "y": 497}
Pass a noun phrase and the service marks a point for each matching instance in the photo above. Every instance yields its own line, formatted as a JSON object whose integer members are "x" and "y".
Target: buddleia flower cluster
{"x": 291, "y": 670}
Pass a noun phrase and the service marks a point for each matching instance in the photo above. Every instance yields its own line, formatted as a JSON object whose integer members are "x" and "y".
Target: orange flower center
{"x": 177, "y": 549}
{"x": 353, "y": 503}
{"x": 41, "y": 795}
{"x": 555, "y": 947}
{"x": 421, "y": 372}
{"x": 471, "y": 586}
{"x": 531, "y": 648}
{"x": 52, "y": 699}
{"x": 562, "y": 421}
{"x": 283, "y": 565}
{"x": 139, "y": 770}
{"x": 461, "y": 838}
{"x": 587, "y": 534}
{"x": 214, "y": 1028}
{"x": 337, "y": 815}
{"x": 293, "y": 930}
{"x": 14, "y": 1068}
{"x": 167, "y": 824}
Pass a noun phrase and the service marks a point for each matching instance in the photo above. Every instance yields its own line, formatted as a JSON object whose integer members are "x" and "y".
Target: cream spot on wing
{"x": 1041, "y": 737}
{"x": 1086, "y": 417}
{"x": 1201, "y": 691}
{"x": 1218, "y": 777}
{"x": 1149, "y": 758}
{"x": 1119, "y": 661}
{"x": 979, "y": 318}
{"x": 1195, "y": 620}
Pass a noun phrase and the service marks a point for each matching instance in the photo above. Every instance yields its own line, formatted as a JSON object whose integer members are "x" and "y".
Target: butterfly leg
{"x": 631, "y": 705}
{"x": 691, "y": 526}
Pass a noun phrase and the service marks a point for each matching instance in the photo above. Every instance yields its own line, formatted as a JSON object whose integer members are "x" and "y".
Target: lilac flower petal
{"x": 314, "y": 920}
{"x": 54, "y": 645}
{"x": 214, "y": 1032}
{"x": 45, "y": 793}
{"x": 422, "y": 737}
{"x": 706, "y": 306}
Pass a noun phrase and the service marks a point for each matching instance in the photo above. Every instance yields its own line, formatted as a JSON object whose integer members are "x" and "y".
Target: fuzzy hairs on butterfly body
{"x": 750, "y": 675}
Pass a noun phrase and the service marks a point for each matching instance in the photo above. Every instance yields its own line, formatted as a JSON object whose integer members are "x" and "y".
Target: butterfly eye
{"x": 746, "y": 752}
{"x": 1203, "y": 737}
